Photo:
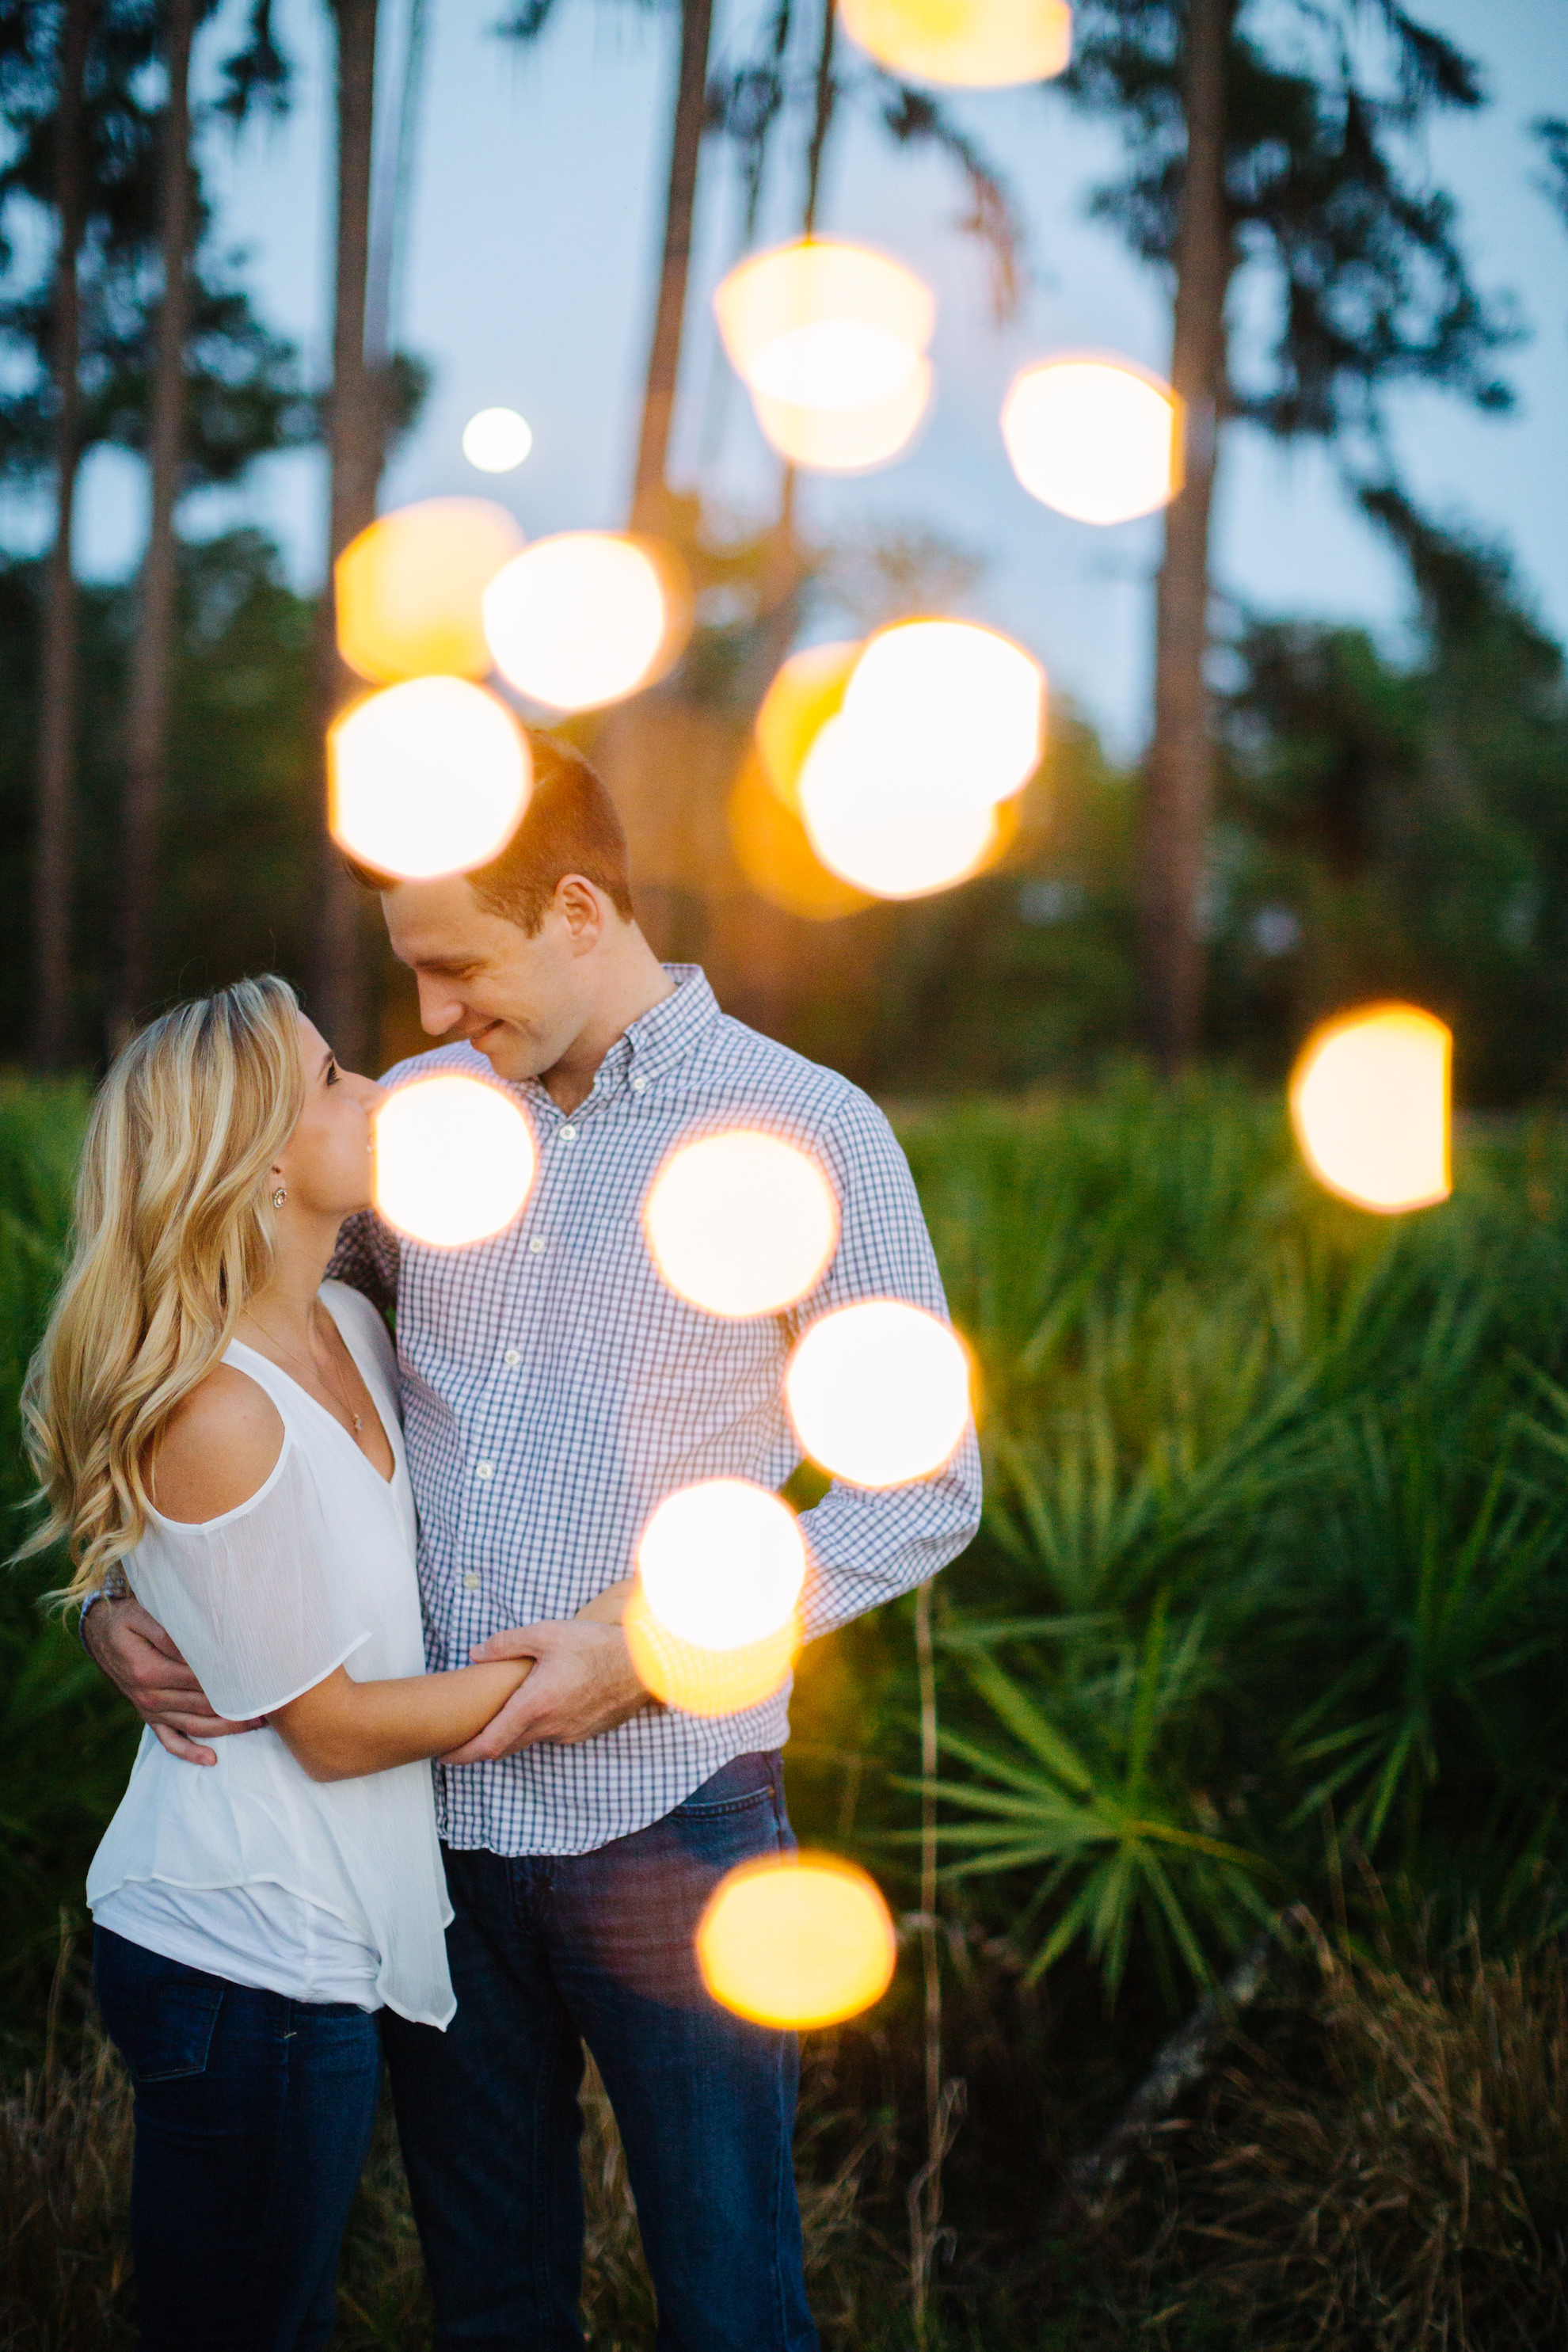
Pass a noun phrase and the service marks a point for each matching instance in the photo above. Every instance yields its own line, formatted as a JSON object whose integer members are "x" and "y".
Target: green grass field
{"x": 1259, "y": 1651}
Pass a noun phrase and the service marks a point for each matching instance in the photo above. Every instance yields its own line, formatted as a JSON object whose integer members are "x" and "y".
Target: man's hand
{"x": 582, "y": 1683}
{"x": 144, "y": 1666}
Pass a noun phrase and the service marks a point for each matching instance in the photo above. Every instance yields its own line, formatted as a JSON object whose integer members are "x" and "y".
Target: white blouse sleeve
{"x": 250, "y": 1599}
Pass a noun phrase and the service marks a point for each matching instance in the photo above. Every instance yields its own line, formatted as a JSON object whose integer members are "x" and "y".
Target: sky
{"x": 529, "y": 276}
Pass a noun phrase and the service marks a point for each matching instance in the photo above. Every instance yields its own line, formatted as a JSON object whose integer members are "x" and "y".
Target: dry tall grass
{"x": 1385, "y": 2172}
{"x": 65, "y": 2188}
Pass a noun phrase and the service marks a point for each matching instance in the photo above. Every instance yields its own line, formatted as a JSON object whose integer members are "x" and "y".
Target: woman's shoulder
{"x": 218, "y": 1450}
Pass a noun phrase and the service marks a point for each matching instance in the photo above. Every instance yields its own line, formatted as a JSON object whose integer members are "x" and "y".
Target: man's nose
{"x": 439, "y": 1008}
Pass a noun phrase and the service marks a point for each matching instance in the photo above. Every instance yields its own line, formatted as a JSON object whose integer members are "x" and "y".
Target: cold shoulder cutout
{"x": 313, "y": 1571}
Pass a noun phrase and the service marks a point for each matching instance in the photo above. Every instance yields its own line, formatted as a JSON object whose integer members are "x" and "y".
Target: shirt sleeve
{"x": 366, "y": 1258}
{"x": 250, "y": 1599}
{"x": 867, "y": 1546}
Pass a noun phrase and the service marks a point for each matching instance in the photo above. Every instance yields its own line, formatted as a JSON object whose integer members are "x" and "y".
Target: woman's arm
{"x": 342, "y": 1728}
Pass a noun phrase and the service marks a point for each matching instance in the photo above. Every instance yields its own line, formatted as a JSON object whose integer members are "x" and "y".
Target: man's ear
{"x": 578, "y": 905}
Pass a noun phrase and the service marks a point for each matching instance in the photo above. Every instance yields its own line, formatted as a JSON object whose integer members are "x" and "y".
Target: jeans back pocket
{"x": 160, "y": 2014}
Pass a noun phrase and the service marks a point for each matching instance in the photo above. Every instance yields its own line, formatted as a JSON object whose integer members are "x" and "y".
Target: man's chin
{"x": 507, "y": 1053}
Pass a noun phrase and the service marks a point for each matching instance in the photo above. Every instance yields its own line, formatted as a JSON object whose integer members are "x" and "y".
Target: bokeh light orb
{"x": 700, "y": 1680}
{"x": 1370, "y": 1102}
{"x": 454, "y": 1160}
{"x": 409, "y": 589}
{"x": 1096, "y": 439}
{"x": 807, "y": 691}
{"x": 723, "y": 1563}
{"x": 956, "y": 709}
{"x": 778, "y": 859}
{"x": 830, "y": 339}
{"x": 741, "y": 1223}
{"x": 578, "y": 620}
{"x": 426, "y": 778}
{"x": 847, "y": 440}
{"x": 855, "y": 804}
{"x": 497, "y": 440}
{"x": 963, "y": 44}
{"x": 797, "y": 1941}
{"x": 822, "y": 324}
{"x": 878, "y": 1392}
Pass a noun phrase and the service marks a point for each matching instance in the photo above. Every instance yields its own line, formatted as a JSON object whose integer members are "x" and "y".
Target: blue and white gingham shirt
{"x": 556, "y": 1391}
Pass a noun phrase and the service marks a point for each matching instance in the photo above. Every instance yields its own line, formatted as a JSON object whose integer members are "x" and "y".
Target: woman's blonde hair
{"x": 173, "y": 1232}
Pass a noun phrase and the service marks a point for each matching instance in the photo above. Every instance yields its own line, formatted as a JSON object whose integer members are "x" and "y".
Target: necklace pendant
{"x": 357, "y": 1424}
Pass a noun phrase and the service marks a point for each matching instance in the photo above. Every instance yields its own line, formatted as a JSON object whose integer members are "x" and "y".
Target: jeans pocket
{"x": 160, "y": 2014}
{"x": 741, "y": 1786}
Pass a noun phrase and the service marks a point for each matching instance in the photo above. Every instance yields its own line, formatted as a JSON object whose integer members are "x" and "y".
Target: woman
{"x": 217, "y": 1425}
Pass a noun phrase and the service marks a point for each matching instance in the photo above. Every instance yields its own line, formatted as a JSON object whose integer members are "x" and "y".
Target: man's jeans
{"x": 548, "y": 1952}
{"x": 253, "y": 2116}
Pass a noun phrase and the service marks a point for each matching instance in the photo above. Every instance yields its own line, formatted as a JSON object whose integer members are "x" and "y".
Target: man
{"x": 556, "y": 1391}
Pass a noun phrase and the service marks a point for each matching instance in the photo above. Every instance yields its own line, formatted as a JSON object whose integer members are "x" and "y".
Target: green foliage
{"x": 241, "y": 830}
{"x": 65, "y": 1742}
{"x": 1404, "y": 823}
{"x": 1275, "y": 1533}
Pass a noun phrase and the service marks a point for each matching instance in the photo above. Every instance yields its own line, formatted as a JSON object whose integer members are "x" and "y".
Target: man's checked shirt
{"x": 556, "y": 1391}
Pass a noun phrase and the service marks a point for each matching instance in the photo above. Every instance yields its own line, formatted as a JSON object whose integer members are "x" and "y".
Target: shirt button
{"x": 536, "y": 1248}
{"x": 483, "y": 1469}
{"x": 637, "y": 1082}
{"x": 511, "y": 1357}
{"x": 470, "y": 1582}
{"x": 568, "y": 1135}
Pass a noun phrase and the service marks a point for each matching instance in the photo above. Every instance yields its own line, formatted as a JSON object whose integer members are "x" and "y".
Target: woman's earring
{"x": 279, "y": 1196}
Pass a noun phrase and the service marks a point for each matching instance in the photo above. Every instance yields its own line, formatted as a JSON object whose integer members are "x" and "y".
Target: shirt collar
{"x": 655, "y": 1040}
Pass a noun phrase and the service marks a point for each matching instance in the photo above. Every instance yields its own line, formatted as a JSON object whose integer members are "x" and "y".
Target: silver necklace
{"x": 357, "y": 1419}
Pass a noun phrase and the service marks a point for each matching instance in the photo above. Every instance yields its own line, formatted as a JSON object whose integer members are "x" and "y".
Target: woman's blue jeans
{"x": 253, "y": 2116}
{"x": 548, "y": 1952}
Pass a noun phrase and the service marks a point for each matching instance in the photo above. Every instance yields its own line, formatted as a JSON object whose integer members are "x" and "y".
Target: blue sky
{"x": 536, "y": 219}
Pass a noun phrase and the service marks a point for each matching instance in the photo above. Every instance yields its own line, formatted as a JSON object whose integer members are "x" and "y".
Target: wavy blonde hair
{"x": 173, "y": 1232}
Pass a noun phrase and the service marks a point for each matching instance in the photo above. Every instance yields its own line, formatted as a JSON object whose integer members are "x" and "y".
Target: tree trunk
{"x": 53, "y": 844}
{"x": 664, "y": 351}
{"x": 339, "y": 990}
{"x": 153, "y": 654}
{"x": 1178, "y": 783}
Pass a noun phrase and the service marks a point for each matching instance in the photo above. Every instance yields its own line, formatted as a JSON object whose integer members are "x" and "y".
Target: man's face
{"x": 518, "y": 1001}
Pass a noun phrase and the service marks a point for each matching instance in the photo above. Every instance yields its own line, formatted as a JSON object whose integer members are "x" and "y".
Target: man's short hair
{"x": 569, "y": 827}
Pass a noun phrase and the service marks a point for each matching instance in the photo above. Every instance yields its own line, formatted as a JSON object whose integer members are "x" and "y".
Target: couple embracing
{"x": 315, "y": 1564}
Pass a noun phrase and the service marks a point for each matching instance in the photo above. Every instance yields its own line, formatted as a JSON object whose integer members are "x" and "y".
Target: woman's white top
{"x": 324, "y": 1890}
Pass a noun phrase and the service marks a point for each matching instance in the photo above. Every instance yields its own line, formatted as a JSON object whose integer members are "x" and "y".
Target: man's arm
{"x": 867, "y": 1546}
{"x": 132, "y": 1649}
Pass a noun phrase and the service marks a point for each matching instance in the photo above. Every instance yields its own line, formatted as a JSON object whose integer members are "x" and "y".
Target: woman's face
{"x": 326, "y": 1164}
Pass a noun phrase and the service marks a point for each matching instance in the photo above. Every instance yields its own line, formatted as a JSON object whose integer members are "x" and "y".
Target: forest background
{"x": 1242, "y": 1725}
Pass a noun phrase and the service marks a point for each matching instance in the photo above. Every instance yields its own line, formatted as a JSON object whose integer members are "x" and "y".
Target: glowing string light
{"x": 426, "y": 778}
{"x": 713, "y": 1627}
{"x": 497, "y": 440}
{"x": 830, "y": 339}
{"x": 408, "y": 589}
{"x": 580, "y": 620}
{"x": 454, "y": 1160}
{"x": 954, "y": 712}
{"x": 878, "y": 1392}
{"x": 798, "y": 1941}
{"x": 778, "y": 859}
{"x": 852, "y": 802}
{"x": 807, "y": 691}
{"x": 1096, "y": 439}
{"x": 741, "y": 1223}
{"x": 1370, "y": 1104}
{"x": 964, "y": 44}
